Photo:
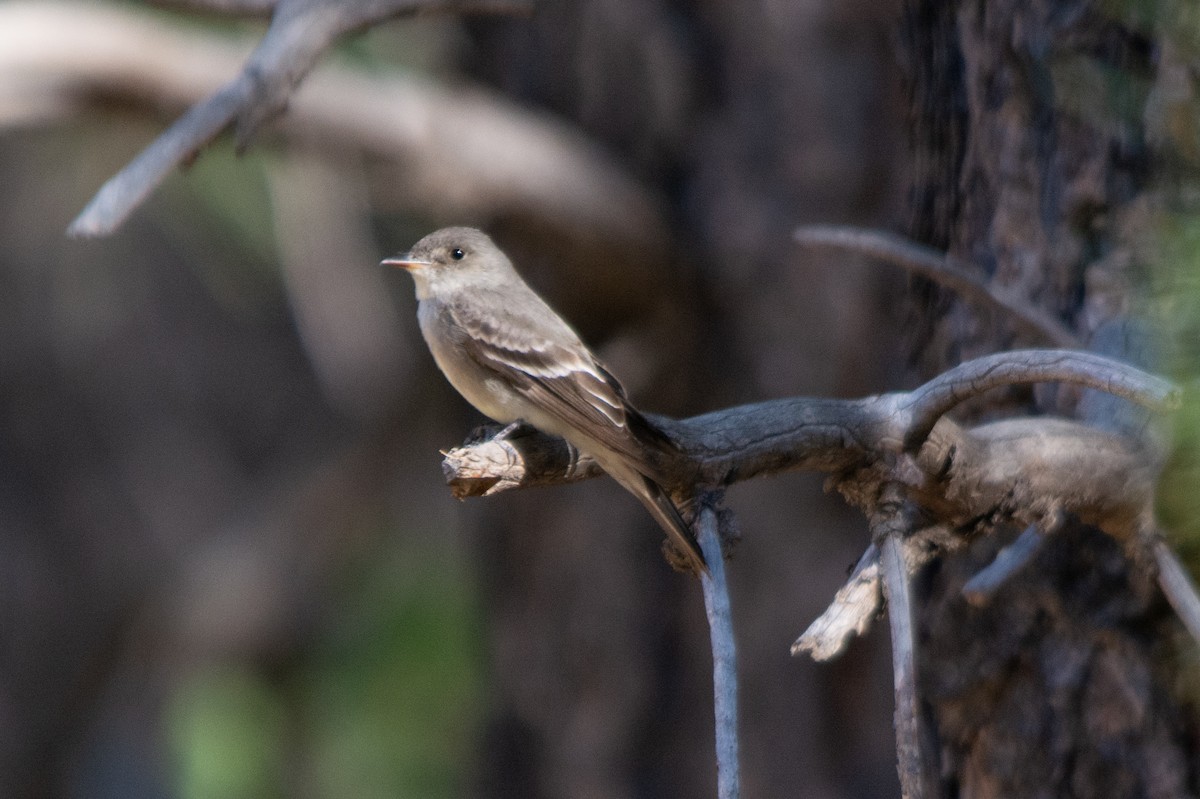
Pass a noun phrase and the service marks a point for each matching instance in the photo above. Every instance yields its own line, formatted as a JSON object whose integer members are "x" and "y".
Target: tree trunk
{"x": 1024, "y": 165}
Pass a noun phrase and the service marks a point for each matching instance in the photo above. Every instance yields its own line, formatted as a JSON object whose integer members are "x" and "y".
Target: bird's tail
{"x": 667, "y": 515}
{"x": 652, "y": 495}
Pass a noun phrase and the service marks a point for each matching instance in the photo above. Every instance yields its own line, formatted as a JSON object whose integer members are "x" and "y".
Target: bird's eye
{"x": 456, "y": 254}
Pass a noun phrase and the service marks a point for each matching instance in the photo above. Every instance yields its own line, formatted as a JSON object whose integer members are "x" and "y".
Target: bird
{"x": 512, "y": 357}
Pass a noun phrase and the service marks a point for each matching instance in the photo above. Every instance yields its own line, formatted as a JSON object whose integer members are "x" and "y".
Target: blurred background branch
{"x": 469, "y": 152}
{"x": 300, "y": 32}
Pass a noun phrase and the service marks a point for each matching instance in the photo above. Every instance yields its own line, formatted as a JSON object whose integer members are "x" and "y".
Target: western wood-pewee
{"x": 512, "y": 357}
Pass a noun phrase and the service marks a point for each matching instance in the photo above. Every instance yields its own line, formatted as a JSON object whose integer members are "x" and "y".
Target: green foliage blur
{"x": 1160, "y": 235}
{"x": 1171, "y": 235}
{"x": 1175, "y": 302}
{"x": 382, "y": 698}
{"x": 377, "y": 690}
{"x": 384, "y": 701}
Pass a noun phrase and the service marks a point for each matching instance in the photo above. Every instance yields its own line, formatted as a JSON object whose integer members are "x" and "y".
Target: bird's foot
{"x": 507, "y": 432}
{"x": 488, "y": 432}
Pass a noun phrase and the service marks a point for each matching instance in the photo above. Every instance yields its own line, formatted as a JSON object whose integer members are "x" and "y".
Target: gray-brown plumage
{"x": 512, "y": 357}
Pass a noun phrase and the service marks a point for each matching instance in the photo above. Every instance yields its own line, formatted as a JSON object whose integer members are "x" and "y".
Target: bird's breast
{"x": 477, "y": 385}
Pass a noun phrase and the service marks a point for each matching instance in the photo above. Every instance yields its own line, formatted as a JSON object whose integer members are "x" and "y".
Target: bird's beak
{"x": 404, "y": 261}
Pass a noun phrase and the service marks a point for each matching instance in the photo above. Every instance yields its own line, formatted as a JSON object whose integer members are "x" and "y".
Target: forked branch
{"x": 1028, "y": 472}
{"x": 844, "y": 437}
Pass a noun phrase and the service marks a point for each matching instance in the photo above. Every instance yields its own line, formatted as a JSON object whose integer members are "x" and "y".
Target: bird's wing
{"x": 540, "y": 357}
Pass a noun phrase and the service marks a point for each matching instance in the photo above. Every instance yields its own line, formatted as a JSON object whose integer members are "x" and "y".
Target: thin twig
{"x": 720, "y": 624}
{"x": 913, "y": 762}
{"x": 1178, "y": 587}
{"x": 927, "y": 404}
{"x": 980, "y": 589}
{"x": 941, "y": 268}
{"x": 180, "y": 143}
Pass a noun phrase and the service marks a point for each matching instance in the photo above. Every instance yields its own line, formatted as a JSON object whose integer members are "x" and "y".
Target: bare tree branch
{"x": 300, "y": 32}
{"x": 488, "y": 156}
{"x": 487, "y": 464}
{"x": 943, "y": 269}
{"x": 182, "y": 142}
{"x": 718, "y": 448}
{"x": 816, "y": 434}
{"x": 1019, "y": 471}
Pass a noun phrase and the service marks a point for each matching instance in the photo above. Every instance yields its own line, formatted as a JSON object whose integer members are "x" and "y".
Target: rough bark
{"x": 1056, "y": 688}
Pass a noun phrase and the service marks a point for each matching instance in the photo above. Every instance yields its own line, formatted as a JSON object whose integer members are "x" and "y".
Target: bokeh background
{"x": 229, "y": 566}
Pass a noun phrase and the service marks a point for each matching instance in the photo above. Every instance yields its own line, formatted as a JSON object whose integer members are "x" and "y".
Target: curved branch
{"x": 941, "y": 268}
{"x": 300, "y": 32}
{"x": 1022, "y": 471}
{"x": 927, "y": 404}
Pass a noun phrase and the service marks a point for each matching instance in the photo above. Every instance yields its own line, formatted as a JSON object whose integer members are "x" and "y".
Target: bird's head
{"x": 453, "y": 258}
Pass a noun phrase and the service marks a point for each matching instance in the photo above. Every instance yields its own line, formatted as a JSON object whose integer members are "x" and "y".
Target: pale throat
{"x": 421, "y": 280}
